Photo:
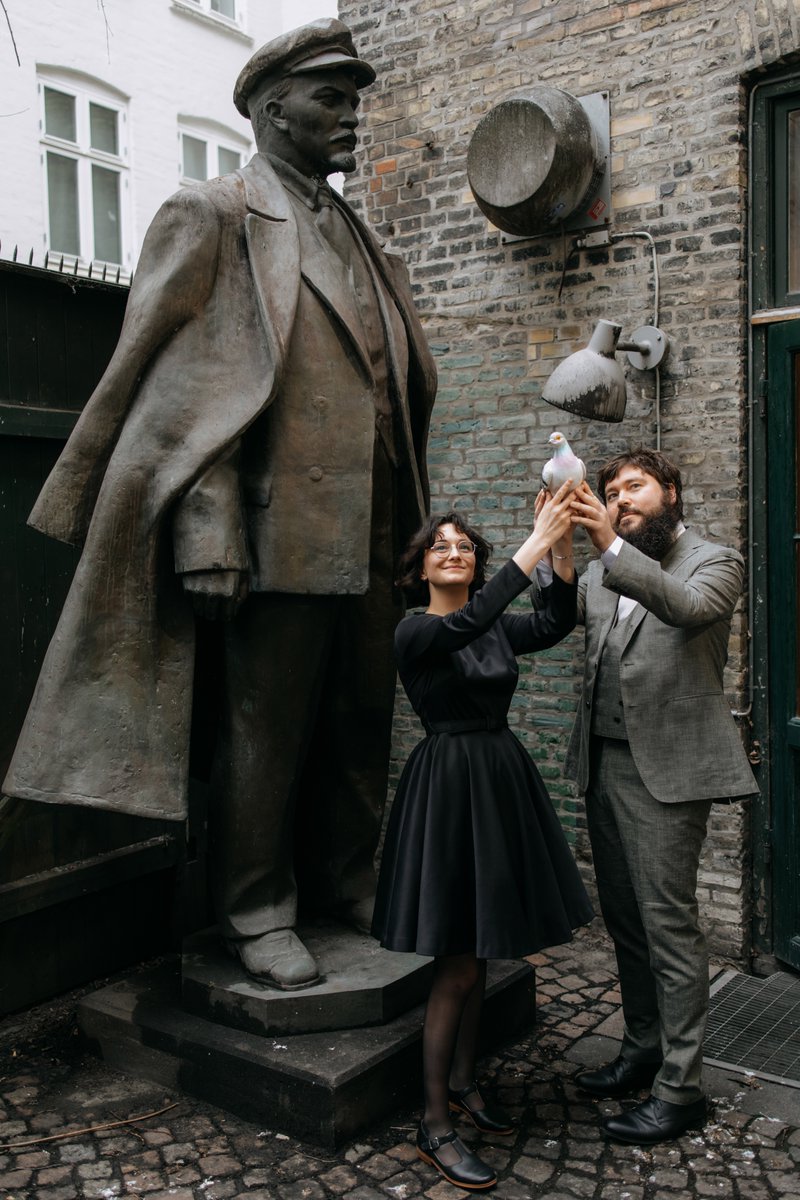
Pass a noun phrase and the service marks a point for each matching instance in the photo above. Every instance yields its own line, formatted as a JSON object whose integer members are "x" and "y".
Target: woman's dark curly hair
{"x": 411, "y": 560}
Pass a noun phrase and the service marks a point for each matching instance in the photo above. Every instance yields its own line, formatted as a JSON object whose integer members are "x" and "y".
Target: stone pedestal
{"x": 361, "y": 984}
{"x": 322, "y": 1086}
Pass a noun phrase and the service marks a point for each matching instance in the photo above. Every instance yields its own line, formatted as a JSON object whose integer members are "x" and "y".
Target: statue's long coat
{"x": 209, "y": 320}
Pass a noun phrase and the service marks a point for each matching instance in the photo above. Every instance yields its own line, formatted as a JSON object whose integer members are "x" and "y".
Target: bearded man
{"x": 654, "y": 744}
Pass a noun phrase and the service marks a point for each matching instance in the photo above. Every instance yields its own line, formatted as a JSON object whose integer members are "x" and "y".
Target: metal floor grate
{"x": 754, "y": 1025}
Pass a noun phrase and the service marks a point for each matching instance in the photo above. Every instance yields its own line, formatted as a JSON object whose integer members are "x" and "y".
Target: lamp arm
{"x": 647, "y": 347}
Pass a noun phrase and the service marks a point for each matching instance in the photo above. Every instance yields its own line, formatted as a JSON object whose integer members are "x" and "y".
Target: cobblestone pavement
{"x": 750, "y": 1148}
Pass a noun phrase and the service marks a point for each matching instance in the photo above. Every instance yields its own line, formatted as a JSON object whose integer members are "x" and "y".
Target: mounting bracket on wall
{"x": 538, "y": 163}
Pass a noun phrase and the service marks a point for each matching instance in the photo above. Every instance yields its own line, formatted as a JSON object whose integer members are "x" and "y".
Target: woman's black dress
{"x": 475, "y": 859}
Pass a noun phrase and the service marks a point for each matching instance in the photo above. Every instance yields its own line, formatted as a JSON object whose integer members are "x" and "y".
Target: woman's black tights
{"x": 450, "y": 1034}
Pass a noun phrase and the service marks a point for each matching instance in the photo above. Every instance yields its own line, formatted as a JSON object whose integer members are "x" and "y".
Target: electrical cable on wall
{"x": 643, "y": 233}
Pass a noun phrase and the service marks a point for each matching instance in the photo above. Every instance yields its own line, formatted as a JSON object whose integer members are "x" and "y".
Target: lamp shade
{"x": 590, "y": 382}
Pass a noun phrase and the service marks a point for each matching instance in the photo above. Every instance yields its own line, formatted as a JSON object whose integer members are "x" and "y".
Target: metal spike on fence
{"x": 14, "y": 255}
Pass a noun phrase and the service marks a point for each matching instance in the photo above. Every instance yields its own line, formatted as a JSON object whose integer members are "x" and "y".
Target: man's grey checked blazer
{"x": 682, "y": 736}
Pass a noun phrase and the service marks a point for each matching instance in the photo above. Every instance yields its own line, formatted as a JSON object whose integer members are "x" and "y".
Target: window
{"x": 220, "y": 8}
{"x": 206, "y": 151}
{"x": 86, "y": 178}
{"x": 786, "y": 135}
{"x": 775, "y": 184}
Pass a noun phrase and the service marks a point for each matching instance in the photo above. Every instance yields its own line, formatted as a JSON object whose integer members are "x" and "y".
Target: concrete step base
{"x": 321, "y": 1087}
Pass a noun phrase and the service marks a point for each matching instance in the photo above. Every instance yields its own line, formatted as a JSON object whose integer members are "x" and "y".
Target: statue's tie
{"x": 333, "y": 226}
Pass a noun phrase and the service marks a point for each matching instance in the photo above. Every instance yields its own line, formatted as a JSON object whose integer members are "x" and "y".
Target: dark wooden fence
{"x": 82, "y": 892}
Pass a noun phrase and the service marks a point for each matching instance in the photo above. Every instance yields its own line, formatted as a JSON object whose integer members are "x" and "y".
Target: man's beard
{"x": 654, "y": 535}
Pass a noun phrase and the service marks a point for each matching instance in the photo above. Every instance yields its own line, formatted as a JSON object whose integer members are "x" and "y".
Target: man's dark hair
{"x": 652, "y": 462}
{"x": 411, "y": 560}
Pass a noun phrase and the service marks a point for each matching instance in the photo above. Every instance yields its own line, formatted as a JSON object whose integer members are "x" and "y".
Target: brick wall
{"x": 499, "y": 314}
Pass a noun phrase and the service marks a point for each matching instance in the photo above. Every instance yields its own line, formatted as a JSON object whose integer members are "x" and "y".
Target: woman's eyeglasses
{"x": 443, "y": 548}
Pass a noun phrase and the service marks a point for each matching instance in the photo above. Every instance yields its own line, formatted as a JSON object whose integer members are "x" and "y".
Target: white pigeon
{"x": 562, "y": 466}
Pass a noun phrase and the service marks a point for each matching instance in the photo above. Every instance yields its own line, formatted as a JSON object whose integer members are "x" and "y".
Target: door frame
{"x": 768, "y": 307}
{"x": 783, "y": 434}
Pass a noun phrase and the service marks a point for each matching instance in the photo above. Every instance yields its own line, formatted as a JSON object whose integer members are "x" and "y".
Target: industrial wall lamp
{"x": 538, "y": 163}
{"x": 590, "y": 382}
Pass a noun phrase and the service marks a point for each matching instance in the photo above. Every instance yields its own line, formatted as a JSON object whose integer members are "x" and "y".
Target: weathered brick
{"x": 672, "y": 68}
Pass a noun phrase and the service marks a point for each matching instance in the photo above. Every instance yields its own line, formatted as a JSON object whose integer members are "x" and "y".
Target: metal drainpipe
{"x": 643, "y": 233}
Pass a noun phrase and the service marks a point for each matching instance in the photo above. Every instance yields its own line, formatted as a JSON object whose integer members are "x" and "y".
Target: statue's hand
{"x": 215, "y": 595}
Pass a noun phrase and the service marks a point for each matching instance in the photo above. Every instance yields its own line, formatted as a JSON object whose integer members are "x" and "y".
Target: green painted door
{"x": 783, "y": 460}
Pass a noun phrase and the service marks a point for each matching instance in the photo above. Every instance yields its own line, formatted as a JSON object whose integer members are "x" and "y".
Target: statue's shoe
{"x": 358, "y": 914}
{"x": 278, "y": 958}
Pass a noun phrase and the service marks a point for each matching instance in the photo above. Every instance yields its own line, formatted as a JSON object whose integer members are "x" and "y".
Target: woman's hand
{"x": 553, "y": 522}
{"x": 553, "y": 517}
{"x": 541, "y": 496}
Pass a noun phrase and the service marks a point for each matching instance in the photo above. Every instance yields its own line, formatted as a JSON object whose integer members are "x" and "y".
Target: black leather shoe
{"x": 488, "y": 1119}
{"x": 469, "y": 1172}
{"x": 655, "y": 1121}
{"x": 622, "y": 1077}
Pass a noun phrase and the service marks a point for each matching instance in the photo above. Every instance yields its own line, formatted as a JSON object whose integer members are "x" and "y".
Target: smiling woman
{"x": 475, "y": 864}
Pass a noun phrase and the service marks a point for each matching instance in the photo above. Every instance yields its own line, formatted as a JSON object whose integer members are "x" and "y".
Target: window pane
{"x": 229, "y": 160}
{"x": 793, "y": 233}
{"x": 226, "y": 7}
{"x": 194, "y": 158}
{"x": 105, "y": 208}
{"x": 59, "y": 115}
{"x": 103, "y": 129}
{"x": 62, "y": 199}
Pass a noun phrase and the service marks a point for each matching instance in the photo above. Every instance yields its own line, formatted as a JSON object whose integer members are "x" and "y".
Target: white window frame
{"x": 237, "y": 21}
{"x": 216, "y": 137}
{"x": 84, "y": 93}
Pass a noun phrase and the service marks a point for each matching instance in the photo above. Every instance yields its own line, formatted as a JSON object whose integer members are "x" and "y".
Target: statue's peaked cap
{"x": 320, "y": 45}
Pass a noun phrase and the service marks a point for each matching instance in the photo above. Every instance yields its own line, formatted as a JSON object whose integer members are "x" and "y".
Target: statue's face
{"x": 320, "y": 118}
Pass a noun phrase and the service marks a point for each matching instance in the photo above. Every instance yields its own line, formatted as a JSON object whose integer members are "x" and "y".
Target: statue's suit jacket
{"x": 681, "y": 734}
{"x": 149, "y": 481}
